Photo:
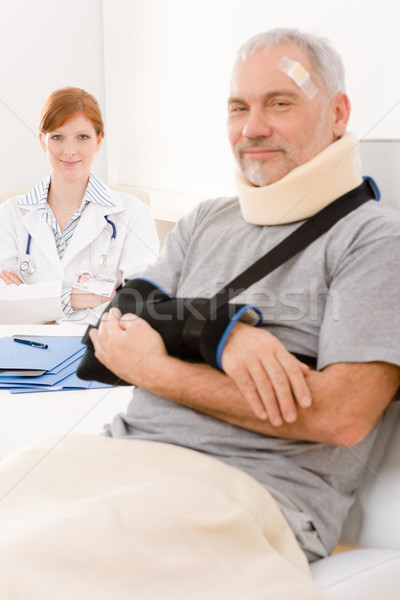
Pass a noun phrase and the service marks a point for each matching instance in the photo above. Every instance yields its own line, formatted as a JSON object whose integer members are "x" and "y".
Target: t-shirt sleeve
{"x": 361, "y": 321}
{"x": 166, "y": 271}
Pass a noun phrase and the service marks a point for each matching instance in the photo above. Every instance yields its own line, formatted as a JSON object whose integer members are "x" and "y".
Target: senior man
{"x": 304, "y": 434}
{"x": 287, "y": 118}
{"x": 267, "y": 418}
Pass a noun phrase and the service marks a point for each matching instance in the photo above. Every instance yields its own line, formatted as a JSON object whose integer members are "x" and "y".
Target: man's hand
{"x": 9, "y": 277}
{"x": 127, "y": 346}
{"x": 270, "y": 378}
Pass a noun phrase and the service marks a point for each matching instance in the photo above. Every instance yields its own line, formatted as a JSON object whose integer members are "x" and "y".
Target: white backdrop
{"x": 167, "y": 69}
{"x": 162, "y": 77}
{"x": 44, "y": 45}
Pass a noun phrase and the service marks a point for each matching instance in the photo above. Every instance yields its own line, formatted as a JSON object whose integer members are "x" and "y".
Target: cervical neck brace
{"x": 305, "y": 190}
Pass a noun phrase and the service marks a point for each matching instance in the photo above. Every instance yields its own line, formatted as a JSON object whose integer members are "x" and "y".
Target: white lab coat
{"x": 136, "y": 244}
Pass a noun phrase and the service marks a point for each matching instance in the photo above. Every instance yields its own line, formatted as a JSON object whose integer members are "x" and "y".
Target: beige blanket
{"x": 89, "y": 517}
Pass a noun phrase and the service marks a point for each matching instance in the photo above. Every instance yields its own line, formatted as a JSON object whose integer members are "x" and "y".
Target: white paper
{"x": 31, "y": 303}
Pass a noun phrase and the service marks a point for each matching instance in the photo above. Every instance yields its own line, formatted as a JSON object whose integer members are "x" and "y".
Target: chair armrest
{"x": 365, "y": 574}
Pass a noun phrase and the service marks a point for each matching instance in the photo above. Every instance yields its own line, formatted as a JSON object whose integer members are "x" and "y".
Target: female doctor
{"x": 66, "y": 245}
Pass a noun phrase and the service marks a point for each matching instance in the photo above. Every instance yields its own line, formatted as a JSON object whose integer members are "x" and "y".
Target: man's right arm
{"x": 341, "y": 413}
{"x": 347, "y": 398}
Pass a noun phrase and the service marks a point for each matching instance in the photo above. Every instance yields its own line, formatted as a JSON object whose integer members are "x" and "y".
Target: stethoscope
{"x": 28, "y": 266}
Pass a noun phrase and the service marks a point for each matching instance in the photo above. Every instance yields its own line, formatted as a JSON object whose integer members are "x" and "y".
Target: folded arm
{"x": 10, "y": 278}
{"x": 347, "y": 398}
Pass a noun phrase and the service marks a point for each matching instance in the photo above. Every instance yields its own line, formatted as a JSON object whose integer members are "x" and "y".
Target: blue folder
{"x": 47, "y": 379}
{"x": 56, "y": 365}
{"x": 21, "y": 356}
{"x": 72, "y": 382}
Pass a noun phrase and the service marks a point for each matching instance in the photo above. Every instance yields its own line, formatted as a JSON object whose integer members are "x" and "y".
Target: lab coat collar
{"x": 43, "y": 236}
{"x": 91, "y": 223}
{"x": 96, "y": 192}
{"x": 90, "y": 226}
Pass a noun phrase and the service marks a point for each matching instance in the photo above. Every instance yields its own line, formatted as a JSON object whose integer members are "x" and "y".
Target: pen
{"x": 31, "y": 343}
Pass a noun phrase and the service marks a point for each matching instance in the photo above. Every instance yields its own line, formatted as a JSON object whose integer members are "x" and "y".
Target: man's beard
{"x": 254, "y": 173}
{"x": 253, "y": 169}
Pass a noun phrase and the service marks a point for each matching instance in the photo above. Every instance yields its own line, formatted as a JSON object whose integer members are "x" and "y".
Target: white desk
{"x": 27, "y": 417}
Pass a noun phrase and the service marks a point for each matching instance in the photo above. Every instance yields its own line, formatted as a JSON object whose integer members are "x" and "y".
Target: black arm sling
{"x": 192, "y": 328}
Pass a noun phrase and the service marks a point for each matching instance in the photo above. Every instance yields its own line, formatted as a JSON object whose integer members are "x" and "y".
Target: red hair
{"x": 64, "y": 104}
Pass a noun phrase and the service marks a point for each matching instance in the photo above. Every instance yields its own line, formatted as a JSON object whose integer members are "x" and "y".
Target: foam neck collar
{"x": 305, "y": 190}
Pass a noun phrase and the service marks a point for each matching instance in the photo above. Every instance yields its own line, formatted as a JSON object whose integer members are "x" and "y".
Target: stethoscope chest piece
{"x": 27, "y": 267}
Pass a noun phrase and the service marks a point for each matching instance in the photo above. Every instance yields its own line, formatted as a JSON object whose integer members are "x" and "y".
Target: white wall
{"x": 167, "y": 68}
{"x": 44, "y": 45}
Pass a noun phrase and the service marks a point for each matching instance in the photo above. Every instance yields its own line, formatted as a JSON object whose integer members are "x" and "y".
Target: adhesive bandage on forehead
{"x": 299, "y": 75}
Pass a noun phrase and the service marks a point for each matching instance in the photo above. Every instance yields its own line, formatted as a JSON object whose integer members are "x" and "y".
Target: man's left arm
{"x": 347, "y": 398}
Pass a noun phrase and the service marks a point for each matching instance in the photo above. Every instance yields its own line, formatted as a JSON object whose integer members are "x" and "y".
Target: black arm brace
{"x": 168, "y": 316}
{"x": 197, "y": 328}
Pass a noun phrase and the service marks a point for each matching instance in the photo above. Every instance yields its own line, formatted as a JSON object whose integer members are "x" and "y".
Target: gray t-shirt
{"x": 337, "y": 301}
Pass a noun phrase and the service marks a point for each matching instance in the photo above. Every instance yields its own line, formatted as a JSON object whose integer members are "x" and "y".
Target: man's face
{"x": 273, "y": 125}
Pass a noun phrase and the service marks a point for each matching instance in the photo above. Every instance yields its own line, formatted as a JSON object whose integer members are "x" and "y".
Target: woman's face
{"x": 71, "y": 149}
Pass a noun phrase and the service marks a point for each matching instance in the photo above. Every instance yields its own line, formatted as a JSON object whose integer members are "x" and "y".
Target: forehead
{"x": 78, "y": 121}
{"x": 258, "y": 72}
